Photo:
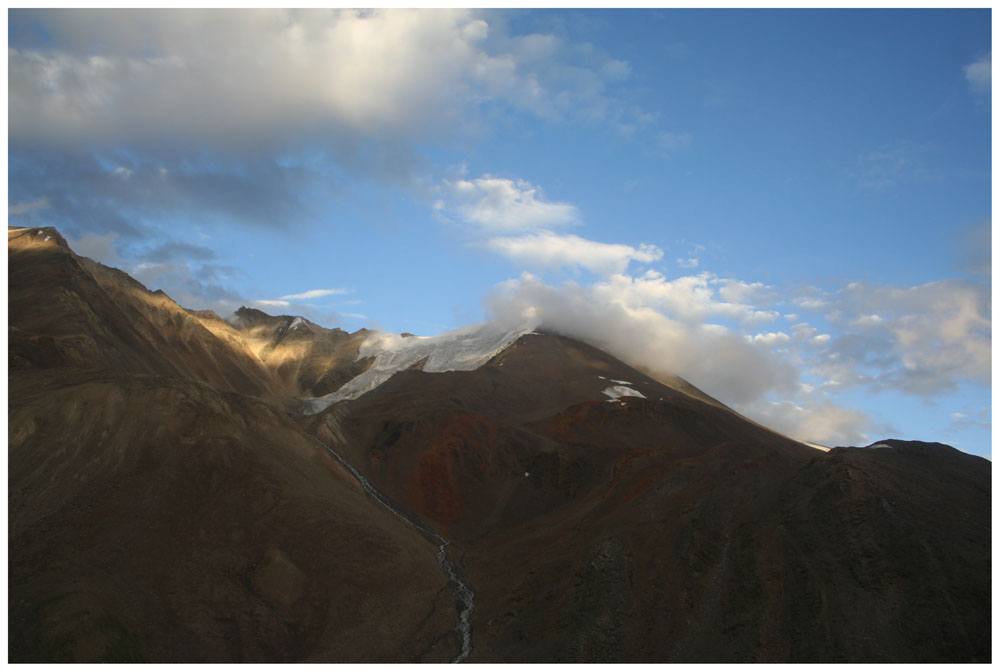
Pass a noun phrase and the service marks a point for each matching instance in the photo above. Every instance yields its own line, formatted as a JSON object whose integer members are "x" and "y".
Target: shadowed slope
{"x": 163, "y": 505}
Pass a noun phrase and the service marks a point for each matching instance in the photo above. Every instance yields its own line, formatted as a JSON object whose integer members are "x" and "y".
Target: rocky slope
{"x": 169, "y": 501}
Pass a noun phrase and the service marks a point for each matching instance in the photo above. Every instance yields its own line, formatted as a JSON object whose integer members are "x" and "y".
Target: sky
{"x": 789, "y": 208}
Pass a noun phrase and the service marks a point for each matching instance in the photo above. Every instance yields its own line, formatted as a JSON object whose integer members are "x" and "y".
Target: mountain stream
{"x": 464, "y": 597}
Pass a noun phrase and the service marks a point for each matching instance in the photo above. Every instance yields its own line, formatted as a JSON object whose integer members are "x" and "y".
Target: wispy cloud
{"x": 669, "y": 142}
{"x": 315, "y": 294}
{"x": 888, "y": 167}
{"x": 271, "y": 303}
{"x": 24, "y": 208}
{"x": 547, "y": 249}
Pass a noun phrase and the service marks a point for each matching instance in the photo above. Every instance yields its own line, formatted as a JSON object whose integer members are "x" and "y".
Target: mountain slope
{"x": 70, "y": 312}
{"x": 169, "y": 501}
{"x": 666, "y": 528}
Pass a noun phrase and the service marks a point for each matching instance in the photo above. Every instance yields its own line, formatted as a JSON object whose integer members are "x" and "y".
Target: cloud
{"x": 713, "y": 357}
{"x": 889, "y": 166}
{"x": 547, "y": 249}
{"x": 125, "y": 119}
{"x": 690, "y": 262}
{"x": 927, "y": 339}
{"x": 393, "y": 74}
{"x": 976, "y": 250}
{"x": 979, "y": 74}
{"x": 970, "y": 420}
{"x": 690, "y": 298}
{"x": 315, "y": 294}
{"x": 18, "y": 209}
{"x": 669, "y": 142}
{"x": 271, "y": 303}
{"x": 771, "y": 338}
{"x": 505, "y": 205}
{"x": 173, "y": 250}
{"x": 825, "y": 423}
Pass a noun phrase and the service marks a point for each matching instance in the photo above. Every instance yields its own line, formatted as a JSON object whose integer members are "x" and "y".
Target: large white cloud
{"x": 253, "y": 78}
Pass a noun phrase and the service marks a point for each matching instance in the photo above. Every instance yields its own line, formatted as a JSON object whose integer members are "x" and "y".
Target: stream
{"x": 464, "y": 597}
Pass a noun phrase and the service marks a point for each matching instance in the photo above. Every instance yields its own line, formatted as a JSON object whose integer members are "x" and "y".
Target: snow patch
{"x": 297, "y": 322}
{"x": 620, "y": 382}
{"x": 464, "y": 349}
{"x": 880, "y": 445}
{"x": 616, "y": 392}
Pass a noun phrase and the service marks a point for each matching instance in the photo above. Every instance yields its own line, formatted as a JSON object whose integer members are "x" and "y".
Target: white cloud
{"x": 824, "y": 422}
{"x": 391, "y": 74}
{"x": 866, "y": 321}
{"x": 692, "y": 298}
{"x": 928, "y": 338}
{"x": 271, "y": 303}
{"x": 612, "y": 316}
{"x": 505, "y": 205}
{"x": 970, "y": 420}
{"x": 315, "y": 294}
{"x": 690, "y": 262}
{"x": 771, "y": 338}
{"x": 547, "y": 249}
{"x": 979, "y": 73}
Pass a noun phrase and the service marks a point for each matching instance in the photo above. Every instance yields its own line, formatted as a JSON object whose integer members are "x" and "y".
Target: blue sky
{"x": 790, "y": 208}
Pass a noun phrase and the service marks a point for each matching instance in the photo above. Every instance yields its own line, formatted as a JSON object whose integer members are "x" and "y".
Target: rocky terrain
{"x": 174, "y": 496}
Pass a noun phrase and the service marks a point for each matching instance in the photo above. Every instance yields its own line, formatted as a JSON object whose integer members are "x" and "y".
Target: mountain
{"x": 189, "y": 488}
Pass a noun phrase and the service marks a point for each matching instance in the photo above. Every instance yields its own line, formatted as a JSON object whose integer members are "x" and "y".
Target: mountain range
{"x": 185, "y": 487}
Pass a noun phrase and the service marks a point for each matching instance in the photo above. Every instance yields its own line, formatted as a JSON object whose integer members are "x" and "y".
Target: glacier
{"x": 464, "y": 349}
